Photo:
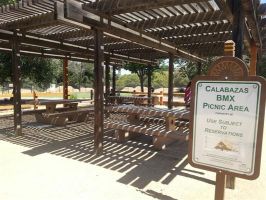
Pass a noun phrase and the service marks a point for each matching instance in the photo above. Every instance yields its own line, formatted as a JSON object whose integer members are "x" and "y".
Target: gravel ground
{"x": 55, "y": 163}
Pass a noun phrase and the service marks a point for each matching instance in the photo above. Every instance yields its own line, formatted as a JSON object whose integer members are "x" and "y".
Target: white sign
{"x": 225, "y": 125}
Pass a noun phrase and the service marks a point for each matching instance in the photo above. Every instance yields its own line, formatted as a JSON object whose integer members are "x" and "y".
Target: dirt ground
{"x": 55, "y": 163}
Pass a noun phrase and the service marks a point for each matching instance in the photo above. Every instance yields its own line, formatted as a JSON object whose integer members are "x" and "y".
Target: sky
{"x": 263, "y": 1}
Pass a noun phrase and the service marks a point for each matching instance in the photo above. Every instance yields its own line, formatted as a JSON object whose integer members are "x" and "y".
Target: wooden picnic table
{"x": 58, "y": 116}
{"x": 136, "y": 100}
{"x": 164, "y": 125}
{"x": 51, "y": 104}
{"x": 151, "y": 111}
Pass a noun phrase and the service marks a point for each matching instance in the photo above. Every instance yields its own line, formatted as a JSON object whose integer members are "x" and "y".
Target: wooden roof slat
{"x": 125, "y": 6}
{"x": 115, "y": 28}
{"x": 204, "y": 38}
{"x": 163, "y": 25}
{"x": 26, "y": 22}
{"x": 181, "y": 19}
{"x": 67, "y": 47}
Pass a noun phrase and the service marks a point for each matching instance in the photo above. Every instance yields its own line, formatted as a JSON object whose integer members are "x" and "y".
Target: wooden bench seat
{"x": 154, "y": 120}
{"x": 150, "y": 111}
{"x": 40, "y": 111}
{"x": 161, "y": 137}
{"x": 61, "y": 118}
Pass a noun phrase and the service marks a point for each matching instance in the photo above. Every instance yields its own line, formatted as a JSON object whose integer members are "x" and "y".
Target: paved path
{"x": 38, "y": 167}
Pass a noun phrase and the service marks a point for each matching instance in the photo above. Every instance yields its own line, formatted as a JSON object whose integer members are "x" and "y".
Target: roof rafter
{"x": 29, "y": 40}
{"x": 77, "y": 15}
{"x": 118, "y": 7}
{"x": 179, "y": 20}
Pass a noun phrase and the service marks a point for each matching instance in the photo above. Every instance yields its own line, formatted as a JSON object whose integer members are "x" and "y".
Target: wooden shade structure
{"x": 140, "y": 31}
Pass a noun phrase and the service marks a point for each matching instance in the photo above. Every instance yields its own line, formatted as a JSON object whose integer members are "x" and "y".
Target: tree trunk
{"x": 141, "y": 79}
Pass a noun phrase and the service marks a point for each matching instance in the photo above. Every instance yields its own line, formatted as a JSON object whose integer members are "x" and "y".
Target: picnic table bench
{"x": 61, "y": 118}
{"x": 164, "y": 125}
{"x": 135, "y": 100}
{"x": 57, "y": 116}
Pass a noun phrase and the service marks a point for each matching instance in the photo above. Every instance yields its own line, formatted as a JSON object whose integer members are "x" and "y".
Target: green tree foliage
{"x": 141, "y": 70}
{"x": 80, "y": 74}
{"x": 39, "y": 71}
{"x": 5, "y": 68}
{"x": 4, "y": 2}
{"x": 186, "y": 70}
{"x": 129, "y": 80}
{"x": 160, "y": 79}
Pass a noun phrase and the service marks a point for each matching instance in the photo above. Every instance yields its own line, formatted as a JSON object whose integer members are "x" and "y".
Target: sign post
{"x": 227, "y": 122}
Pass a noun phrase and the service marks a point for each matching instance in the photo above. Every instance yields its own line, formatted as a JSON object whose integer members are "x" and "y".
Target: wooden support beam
{"x": 229, "y": 181}
{"x": 98, "y": 94}
{"x": 67, "y": 47}
{"x": 227, "y": 8}
{"x": 65, "y": 78}
{"x": 199, "y": 68}
{"x": 220, "y": 186}
{"x": 170, "y": 81}
{"x": 253, "y": 59}
{"x": 149, "y": 85}
{"x": 114, "y": 81}
{"x": 250, "y": 11}
{"x": 238, "y": 26}
{"x": 107, "y": 79}
{"x": 16, "y": 78}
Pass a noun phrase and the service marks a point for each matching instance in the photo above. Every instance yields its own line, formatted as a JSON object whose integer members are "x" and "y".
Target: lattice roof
{"x": 135, "y": 30}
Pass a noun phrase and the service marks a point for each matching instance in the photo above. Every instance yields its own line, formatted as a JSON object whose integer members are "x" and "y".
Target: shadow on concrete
{"x": 136, "y": 159}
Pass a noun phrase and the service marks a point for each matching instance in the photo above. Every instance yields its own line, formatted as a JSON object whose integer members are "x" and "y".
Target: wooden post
{"x": 170, "y": 81}
{"x": 253, "y": 59}
{"x": 149, "y": 85}
{"x": 238, "y": 26}
{"x": 114, "y": 81}
{"x": 65, "y": 78}
{"x": 98, "y": 94}
{"x": 16, "y": 78}
{"x": 219, "y": 188}
{"x": 161, "y": 98}
{"x": 229, "y": 50}
{"x": 107, "y": 79}
{"x": 199, "y": 68}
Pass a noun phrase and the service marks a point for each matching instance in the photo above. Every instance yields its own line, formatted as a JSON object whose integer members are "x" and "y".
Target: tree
{"x": 160, "y": 79}
{"x": 4, "y": 2}
{"x": 129, "y": 80}
{"x": 79, "y": 74}
{"x": 187, "y": 69}
{"x": 141, "y": 70}
{"x": 37, "y": 70}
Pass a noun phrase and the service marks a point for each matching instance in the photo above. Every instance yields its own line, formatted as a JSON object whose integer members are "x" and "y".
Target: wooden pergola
{"x": 114, "y": 31}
